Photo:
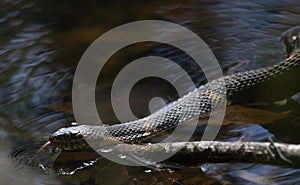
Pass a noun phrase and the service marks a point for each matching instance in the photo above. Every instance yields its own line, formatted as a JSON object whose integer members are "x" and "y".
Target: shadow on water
{"x": 42, "y": 42}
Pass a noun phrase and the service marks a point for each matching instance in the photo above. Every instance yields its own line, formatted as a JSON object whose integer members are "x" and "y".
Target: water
{"x": 42, "y": 42}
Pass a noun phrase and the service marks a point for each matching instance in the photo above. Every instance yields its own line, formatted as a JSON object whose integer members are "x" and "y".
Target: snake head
{"x": 291, "y": 40}
{"x": 70, "y": 138}
{"x": 76, "y": 137}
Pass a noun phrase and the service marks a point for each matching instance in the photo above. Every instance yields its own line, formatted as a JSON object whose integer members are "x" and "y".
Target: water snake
{"x": 265, "y": 84}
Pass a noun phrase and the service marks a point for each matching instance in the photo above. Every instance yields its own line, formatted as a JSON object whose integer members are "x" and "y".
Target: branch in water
{"x": 193, "y": 153}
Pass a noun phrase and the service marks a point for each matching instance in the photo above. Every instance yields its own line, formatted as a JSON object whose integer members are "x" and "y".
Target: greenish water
{"x": 42, "y": 42}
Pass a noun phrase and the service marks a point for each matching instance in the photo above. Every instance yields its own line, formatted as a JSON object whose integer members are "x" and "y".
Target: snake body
{"x": 265, "y": 84}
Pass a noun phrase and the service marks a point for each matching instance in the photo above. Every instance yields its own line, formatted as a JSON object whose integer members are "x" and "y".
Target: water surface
{"x": 42, "y": 42}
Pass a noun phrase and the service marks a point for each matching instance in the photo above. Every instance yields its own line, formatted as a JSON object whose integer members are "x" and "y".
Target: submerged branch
{"x": 217, "y": 151}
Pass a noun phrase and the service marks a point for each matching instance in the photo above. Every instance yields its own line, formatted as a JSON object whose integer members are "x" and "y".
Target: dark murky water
{"x": 42, "y": 42}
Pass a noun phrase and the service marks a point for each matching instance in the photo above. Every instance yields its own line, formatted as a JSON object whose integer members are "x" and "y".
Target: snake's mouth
{"x": 69, "y": 145}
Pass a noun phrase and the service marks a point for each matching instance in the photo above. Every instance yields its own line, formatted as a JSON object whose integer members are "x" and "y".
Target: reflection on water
{"x": 42, "y": 42}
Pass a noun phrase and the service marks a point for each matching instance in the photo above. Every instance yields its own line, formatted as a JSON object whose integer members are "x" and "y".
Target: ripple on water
{"x": 21, "y": 165}
{"x": 26, "y": 156}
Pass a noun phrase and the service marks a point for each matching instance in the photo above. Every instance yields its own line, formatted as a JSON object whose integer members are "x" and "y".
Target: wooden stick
{"x": 217, "y": 151}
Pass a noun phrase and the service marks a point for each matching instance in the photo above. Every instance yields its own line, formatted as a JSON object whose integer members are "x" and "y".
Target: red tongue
{"x": 44, "y": 146}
